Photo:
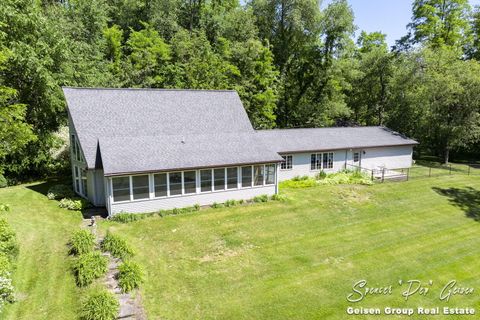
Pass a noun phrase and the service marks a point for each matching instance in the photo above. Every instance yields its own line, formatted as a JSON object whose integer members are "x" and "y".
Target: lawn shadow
{"x": 43, "y": 187}
{"x": 467, "y": 199}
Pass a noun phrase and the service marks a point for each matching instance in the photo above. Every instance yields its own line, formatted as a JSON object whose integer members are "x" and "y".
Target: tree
{"x": 440, "y": 22}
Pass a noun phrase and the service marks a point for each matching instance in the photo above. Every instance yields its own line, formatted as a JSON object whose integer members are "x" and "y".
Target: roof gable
{"x": 108, "y": 113}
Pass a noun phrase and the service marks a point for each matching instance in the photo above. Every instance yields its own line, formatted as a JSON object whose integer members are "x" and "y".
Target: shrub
{"x": 117, "y": 246}
{"x": 124, "y": 217}
{"x": 347, "y": 177}
{"x": 88, "y": 267}
{"x": 278, "y": 197}
{"x": 60, "y": 191}
{"x": 3, "y": 181}
{"x": 321, "y": 175}
{"x": 261, "y": 198}
{"x": 217, "y": 205}
{"x": 196, "y": 207}
{"x": 298, "y": 183}
{"x": 5, "y": 266}
{"x": 130, "y": 275}
{"x": 74, "y": 204}
{"x": 8, "y": 240}
{"x": 230, "y": 203}
{"x": 300, "y": 178}
{"x": 7, "y": 291}
{"x": 100, "y": 305}
{"x": 4, "y": 207}
{"x": 82, "y": 241}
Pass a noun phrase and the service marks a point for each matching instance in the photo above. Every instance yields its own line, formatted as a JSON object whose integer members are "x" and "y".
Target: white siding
{"x": 301, "y": 165}
{"x": 371, "y": 158}
{"x": 96, "y": 188}
{"x": 151, "y": 205}
{"x": 388, "y": 157}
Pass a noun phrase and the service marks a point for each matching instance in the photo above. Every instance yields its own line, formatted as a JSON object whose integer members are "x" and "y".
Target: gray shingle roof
{"x": 123, "y": 154}
{"x": 317, "y": 139}
{"x": 138, "y": 129}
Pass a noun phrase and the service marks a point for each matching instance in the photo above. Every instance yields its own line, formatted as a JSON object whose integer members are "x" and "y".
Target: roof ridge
{"x": 349, "y": 127}
{"x": 148, "y": 89}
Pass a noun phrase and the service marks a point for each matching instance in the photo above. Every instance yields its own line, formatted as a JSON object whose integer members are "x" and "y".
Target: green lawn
{"x": 45, "y": 287}
{"x": 298, "y": 259}
{"x": 280, "y": 260}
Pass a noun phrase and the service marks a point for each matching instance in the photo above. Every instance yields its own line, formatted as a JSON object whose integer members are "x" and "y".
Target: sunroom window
{"x": 206, "y": 180}
{"x": 160, "y": 181}
{"x": 190, "y": 181}
{"x": 219, "y": 177}
{"x": 232, "y": 178}
{"x": 121, "y": 189}
{"x": 270, "y": 174}
{"x": 258, "y": 175}
{"x": 246, "y": 177}
{"x": 175, "y": 180}
{"x": 140, "y": 187}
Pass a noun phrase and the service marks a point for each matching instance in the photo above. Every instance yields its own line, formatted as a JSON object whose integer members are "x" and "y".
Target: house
{"x": 142, "y": 150}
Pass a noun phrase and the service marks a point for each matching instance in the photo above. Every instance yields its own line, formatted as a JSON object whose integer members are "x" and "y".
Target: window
{"x": 316, "y": 161}
{"x": 232, "y": 178}
{"x": 356, "y": 157}
{"x": 328, "y": 160}
{"x": 76, "y": 175}
{"x": 270, "y": 174}
{"x": 286, "y": 164}
{"x": 190, "y": 181}
{"x": 175, "y": 181}
{"x": 83, "y": 175}
{"x": 121, "y": 189}
{"x": 160, "y": 184}
{"x": 219, "y": 177}
{"x": 246, "y": 177}
{"x": 206, "y": 180}
{"x": 258, "y": 175}
{"x": 73, "y": 144}
{"x": 140, "y": 189}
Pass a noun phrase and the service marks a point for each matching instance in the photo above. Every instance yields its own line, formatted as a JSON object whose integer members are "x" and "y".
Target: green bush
{"x": 74, "y": 204}
{"x": 299, "y": 182}
{"x": 4, "y": 207}
{"x": 321, "y": 175}
{"x": 117, "y": 246}
{"x": 230, "y": 203}
{"x": 5, "y": 266}
{"x": 196, "y": 207}
{"x": 130, "y": 276}
{"x": 8, "y": 240}
{"x": 82, "y": 241}
{"x": 278, "y": 197}
{"x": 7, "y": 291}
{"x": 216, "y": 205}
{"x": 124, "y": 217}
{"x": 347, "y": 177}
{"x": 100, "y": 305}
{"x": 300, "y": 178}
{"x": 88, "y": 267}
{"x": 60, "y": 191}
{"x": 3, "y": 181}
{"x": 261, "y": 198}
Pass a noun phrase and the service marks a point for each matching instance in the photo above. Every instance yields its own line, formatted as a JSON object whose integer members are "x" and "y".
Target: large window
{"x": 270, "y": 174}
{"x": 83, "y": 175}
{"x": 140, "y": 189}
{"x": 121, "y": 189}
{"x": 206, "y": 180}
{"x": 321, "y": 161}
{"x": 286, "y": 163}
{"x": 258, "y": 175}
{"x": 190, "y": 181}
{"x": 232, "y": 178}
{"x": 160, "y": 183}
{"x": 76, "y": 176}
{"x": 175, "y": 181}
{"x": 219, "y": 177}
{"x": 246, "y": 177}
{"x": 77, "y": 153}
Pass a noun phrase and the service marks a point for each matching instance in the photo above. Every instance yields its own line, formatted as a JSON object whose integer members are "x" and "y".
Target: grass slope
{"x": 298, "y": 259}
{"x": 45, "y": 287}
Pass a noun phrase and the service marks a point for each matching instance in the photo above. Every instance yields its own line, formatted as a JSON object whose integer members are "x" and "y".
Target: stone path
{"x": 130, "y": 303}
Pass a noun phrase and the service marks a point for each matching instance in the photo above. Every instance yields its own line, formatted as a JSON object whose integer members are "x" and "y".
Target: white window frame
{"x": 286, "y": 162}
{"x": 319, "y": 165}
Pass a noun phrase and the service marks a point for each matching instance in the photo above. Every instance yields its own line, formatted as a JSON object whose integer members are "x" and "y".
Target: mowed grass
{"x": 299, "y": 259}
{"x": 44, "y": 285}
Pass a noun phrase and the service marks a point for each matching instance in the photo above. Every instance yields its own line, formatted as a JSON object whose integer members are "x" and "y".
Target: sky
{"x": 388, "y": 16}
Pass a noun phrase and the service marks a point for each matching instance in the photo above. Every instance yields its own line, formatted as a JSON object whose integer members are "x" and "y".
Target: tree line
{"x": 294, "y": 63}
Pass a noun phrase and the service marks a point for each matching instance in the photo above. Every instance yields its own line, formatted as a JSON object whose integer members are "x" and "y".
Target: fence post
{"x": 383, "y": 174}
{"x": 450, "y": 169}
{"x": 408, "y": 173}
{"x": 429, "y": 172}
{"x": 372, "y": 175}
